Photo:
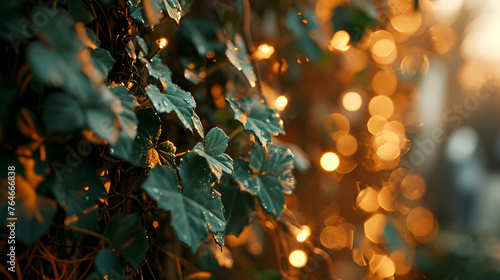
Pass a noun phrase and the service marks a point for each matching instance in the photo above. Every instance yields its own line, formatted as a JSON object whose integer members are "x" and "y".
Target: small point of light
{"x": 304, "y": 234}
{"x": 298, "y": 258}
{"x": 269, "y": 225}
{"x": 352, "y": 101}
{"x": 155, "y": 224}
{"x": 340, "y": 41}
{"x": 86, "y": 188}
{"x": 304, "y": 20}
{"x": 281, "y": 102}
{"x": 330, "y": 161}
{"x": 162, "y": 43}
{"x": 264, "y": 51}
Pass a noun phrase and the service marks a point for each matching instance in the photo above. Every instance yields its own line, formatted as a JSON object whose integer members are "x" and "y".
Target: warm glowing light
{"x": 86, "y": 188}
{"x": 304, "y": 234}
{"x": 347, "y": 145}
{"x": 330, "y": 161}
{"x": 376, "y": 124}
{"x": 340, "y": 125}
{"x": 381, "y": 105}
{"x": 382, "y": 265}
{"x": 298, "y": 258}
{"x": 414, "y": 63}
{"x": 384, "y": 82}
{"x": 413, "y": 186}
{"x": 401, "y": 261}
{"x": 355, "y": 59}
{"x": 420, "y": 222}
{"x": 255, "y": 248}
{"x": 407, "y": 23}
{"x": 162, "y": 43}
{"x": 374, "y": 228}
{"x": 352, "y": 101}
{"x": 264, "y": 51}
{"x": 155, "y": 224}
{"x": 280, "y": 103}
{"x": 383, "y": 47}
{"x": 386, "y": 199}
{"x": 340, "y": 41}
{"x": 367, "y": 200}
{"x": 443, "y": 38}
{"x": 388, "y": 151}
{"x": 334, "y": 237}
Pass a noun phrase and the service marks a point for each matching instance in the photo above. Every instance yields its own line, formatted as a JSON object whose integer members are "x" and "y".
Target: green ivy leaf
{"x": 127, "y": 122}
{"x": 107, "y": 263}
{"x": 171, "y": 7}
{"x": 197, "y": 183}
{"x": 267, "y": 176}
{"x": 238, "y": 205}
{"x": 160, "y": 71}
{"x": 198, "y": 209}
{"x": 128, "y": 237}
{"x": 179, "y": 101}
{"x": 62, "y": 114}
{"x": 59, "y": 61}
{"x": 101, "y": 115}
{"x": 103, "y": 60}
{"x": 238, "y": 56}
{"x": 212, "y": 149}
{"x": 34, "y": 211}
{"x": 77, "y": 192}
{"x": 256, "y": 117}
{"x": 145, "y": 151}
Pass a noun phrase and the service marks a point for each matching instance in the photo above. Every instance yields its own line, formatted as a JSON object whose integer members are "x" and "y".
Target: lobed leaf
{"x": 256, "y": 118}
{"x": 180, "y": 102}
{"x": 212, "y": 149}
{"x": 197, "y": 210}
{"x": 267, "y": 176}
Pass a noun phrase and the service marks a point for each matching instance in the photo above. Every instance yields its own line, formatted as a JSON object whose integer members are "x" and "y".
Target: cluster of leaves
{"x": 91, "y": 112}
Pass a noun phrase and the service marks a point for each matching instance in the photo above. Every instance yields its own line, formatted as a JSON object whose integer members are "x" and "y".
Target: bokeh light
{"x": 352, "y": 101}
{"x": 298, "y": 258}
{"x": 329, "y": 161}
{"x": 384, "y": 82}
{"x": 340, "y": 41}
{"x": 280, "y": 103}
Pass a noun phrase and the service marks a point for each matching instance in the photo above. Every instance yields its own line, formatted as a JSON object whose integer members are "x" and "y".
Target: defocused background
{"x": 394, "y": 111}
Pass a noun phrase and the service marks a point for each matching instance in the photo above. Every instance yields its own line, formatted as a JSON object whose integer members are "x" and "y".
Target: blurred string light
{"x": 160, "y": 44}
{"x": 298, "y": 258}
{"x": 264, "y": 51}
{"x": 304, "y": 234}
{"x": 330, "y": 161}
{"x": 280, "y": 103}
{"x": 352, "y": 101}
{"x": 389, "y": 60}
{"x": 340, "y": 41}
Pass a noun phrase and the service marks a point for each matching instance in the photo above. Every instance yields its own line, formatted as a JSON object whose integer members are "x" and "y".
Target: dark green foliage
{"x": 212, "y": 149}
{"x": 83, "y": 77}
{"x": 256, "y": 118}
{"x": 267, "y": 175}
